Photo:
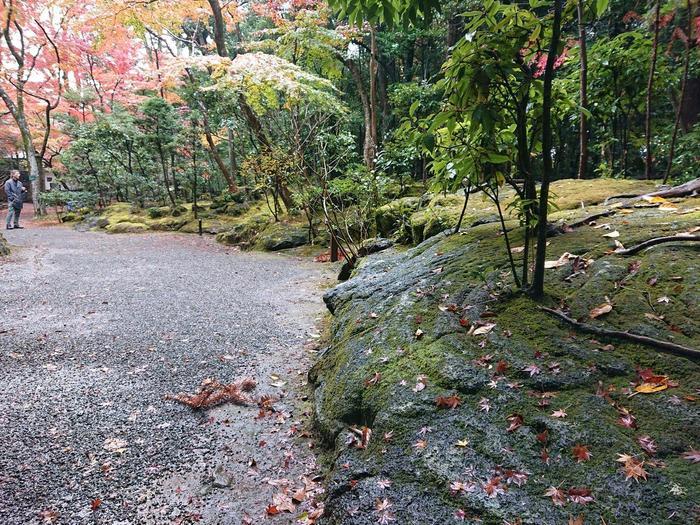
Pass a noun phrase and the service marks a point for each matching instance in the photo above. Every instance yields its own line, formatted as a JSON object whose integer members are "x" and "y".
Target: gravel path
{"x": 96, "y": 329}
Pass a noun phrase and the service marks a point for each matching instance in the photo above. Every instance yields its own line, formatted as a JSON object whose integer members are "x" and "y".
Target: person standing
{"x": 15, "y": 199}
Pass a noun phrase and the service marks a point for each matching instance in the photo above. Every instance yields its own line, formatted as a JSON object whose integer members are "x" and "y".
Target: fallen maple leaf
{"x": 543, "y": 436}
{"x": 600, "y": 310}
{"x": 559, "y": 413}
{"x": 373, "y": 380}
{"x": 581, "y": 453}
{"x": 501, "y": 367}
{"x": 557, "y": 495}
{"x": 648, "y": 444}
{"x": 650, "y": 388}
{"x": 95, "y": 504}
{"x": 582, "y": 496}
{"x": 494, "y": 487}
{"x": 578, "y": 520}
{"x": 612, "y": 235}
{"x": 516, "y": 477}
{"x": 516, "y": 421}
{"x": 419, "y": 333}
{"x": 420, "y": 444}
{"x": 692, "y": 455}
{"x": 627, "y": 420}
{"x": 484, "y": 404}
{"x": 632, "y": 468}
{"x": 384, "y": 483}
{"x": 483, "y": 330}
{"x": 533, "y": 370}
{"x": 457, "y": 487}
{"x": 452, "y": 401}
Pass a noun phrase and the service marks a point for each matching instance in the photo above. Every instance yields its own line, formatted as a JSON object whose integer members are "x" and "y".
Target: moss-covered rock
{"x": 394, "y": 216}
{"x": 378, "y": 373}
{"x": 282, "y": 235}
{"x": 127, "y": 227}
{"x": 410, "y": 221}
{"x": 157, "y": 213}
{"x": 4, "y": 246}
{"x": 245, "y": 231}
{"x": 235, "y": 209}
{"x": 441, "y": 213}
{"x": 178, "y": 211}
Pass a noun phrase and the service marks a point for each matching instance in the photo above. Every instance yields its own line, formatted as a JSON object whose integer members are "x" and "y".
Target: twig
{"x": 666, "y": 346}
{"x": 657, "y": 240}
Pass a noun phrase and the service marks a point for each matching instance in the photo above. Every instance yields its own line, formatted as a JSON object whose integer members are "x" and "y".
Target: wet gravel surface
{"x": 95, "y": 329}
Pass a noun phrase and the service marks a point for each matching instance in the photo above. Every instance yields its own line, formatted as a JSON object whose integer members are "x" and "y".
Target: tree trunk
{"x": 684, "y": 82}
{"x": 366, "y": 110}
{"x": 219, "y": 28}
{"x": 373, "y": 69}
{"x": 17, "y": 112}
{"x": 649, "y": 162}
{"x": 547, "y": 170}
{"x": 232, "y": 162}
{"x": 583, "y": 93}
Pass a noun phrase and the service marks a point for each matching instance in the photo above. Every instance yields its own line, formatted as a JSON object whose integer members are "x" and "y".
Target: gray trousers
{"x": 13, "y": 214}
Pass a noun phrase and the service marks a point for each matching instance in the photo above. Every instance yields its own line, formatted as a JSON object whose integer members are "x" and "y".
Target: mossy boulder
{"x": 244, "y": 232}
{"x": 178, "y": 211}
{"x": 127, "y": 227}
{"x": 235, "y": 209}
{"x": 441, "y": 213}
{"x": 4, "y": 246}
{"x": 282, "y": 235}
{"x": 392, "y": 217}
{"x": 157, "y": 213}
{"x": 479, "y": 457}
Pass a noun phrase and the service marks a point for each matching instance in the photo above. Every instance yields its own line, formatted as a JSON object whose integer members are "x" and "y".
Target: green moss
{"x": 127, "y": 227}
{"x": 4, "y": 246}
{"x": 376, "y": 317}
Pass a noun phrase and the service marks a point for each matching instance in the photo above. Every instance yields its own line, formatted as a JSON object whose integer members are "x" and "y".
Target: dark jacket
{"x": 14, "y": 191}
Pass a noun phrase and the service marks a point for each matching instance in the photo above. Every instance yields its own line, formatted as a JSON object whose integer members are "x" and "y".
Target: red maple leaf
{"x": 494, "y": 487}
{"x": 558, "y": 496}
{"x": 581, "y": 453}
{"x": 452, "y": 401}
{"x": 579, "y": 495}
{"x": 516, "y": 421}
{"x": 501, "y": 367}
{"x": 648, "y": 444}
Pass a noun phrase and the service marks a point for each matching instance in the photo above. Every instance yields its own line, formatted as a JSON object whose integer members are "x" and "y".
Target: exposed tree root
{"x": 682, "y": 190}
{"x": 665, "y": 346}
{"x": 657, "y": 240}
{"x": 212, "y": 393}
{"x": 587, "y": 220}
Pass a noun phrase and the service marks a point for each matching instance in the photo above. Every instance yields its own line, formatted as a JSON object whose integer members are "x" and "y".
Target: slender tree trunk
{"x": 547, "y": 171}
{"x": 649, "y": 162}
{"x": 366, "y": 110}
{"x": 220, "y": 41}
{"x": 232, "y": 162}
{"x": 373, "y": 70}
{"x": 583, "y": 93}
{"x": 684, "y": 83}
